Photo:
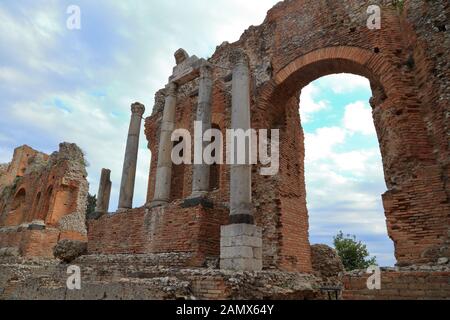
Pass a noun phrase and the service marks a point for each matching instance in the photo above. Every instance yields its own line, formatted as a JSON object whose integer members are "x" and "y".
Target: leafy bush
{"x": 354, "y": 253}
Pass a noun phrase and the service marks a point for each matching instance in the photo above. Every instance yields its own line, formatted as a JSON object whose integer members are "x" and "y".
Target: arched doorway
{"x": 400, "y": 153}
{"x": 343, "y": 165}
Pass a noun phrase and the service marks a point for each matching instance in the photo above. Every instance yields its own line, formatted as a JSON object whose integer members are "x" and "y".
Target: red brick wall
{"x": 400, "y": 286}
{"x": 31, "y": 243}
{"x": 405, "y": 61}
{"x": 161, "y": 230}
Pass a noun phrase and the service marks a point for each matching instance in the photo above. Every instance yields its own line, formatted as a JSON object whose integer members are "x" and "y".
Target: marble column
{"x": 164, "y": 170}
{"x": 241, "y": 174}
{"x": 241, "y": 240}
{"x": 104, "y": 193}
{"x": 130, "y": 161}
{"x": 200, "y": 179}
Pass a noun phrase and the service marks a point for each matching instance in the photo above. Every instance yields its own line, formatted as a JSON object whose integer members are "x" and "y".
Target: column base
{"x": 241, "y": 247}
{"x": 157, "y": 203}
{"x": 198, "y": 194}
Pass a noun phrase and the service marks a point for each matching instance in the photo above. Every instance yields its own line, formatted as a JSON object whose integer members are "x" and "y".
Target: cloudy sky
{"x": 60, "y": 85}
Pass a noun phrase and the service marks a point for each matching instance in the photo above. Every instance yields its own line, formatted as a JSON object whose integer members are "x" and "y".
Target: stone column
{"x": 164, "y": 170}
{"x": 241, "y": 241}
{"x": 240, "y": 174}
{"x": 104, "y": 193}
{"x": 200, "y": 179}
{"x": 130, "y": 161}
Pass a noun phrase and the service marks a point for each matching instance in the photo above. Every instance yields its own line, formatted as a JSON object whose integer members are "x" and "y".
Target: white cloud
{"x": 360, "y": 163}
{"x": 48, "y": 62}
{"x": 101, "y": 136}
{"x": 344, "y": 175}
{"x": 308, "y": 103}
{"x": 358, "y": 118}
{"x": 319, "y": 145}
{"x": 346, "y": 83}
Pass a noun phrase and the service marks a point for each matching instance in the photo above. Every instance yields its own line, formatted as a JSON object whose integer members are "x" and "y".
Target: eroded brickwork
{"x": 299, "y": 42}
{"x": 173, "y": 229}
{"x": 406, "y": 64}
{"x": 153, "y": 277}
{"x": 43, "y": 200}
{"x": 417, "y": 283}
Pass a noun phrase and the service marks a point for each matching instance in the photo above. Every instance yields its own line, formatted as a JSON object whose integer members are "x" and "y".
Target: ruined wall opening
{"x": 282, "y": 111}
{"x": 177, "y": 186}
{"x": 16, "y": 214}
{"x": 343, "y": 164}
{"x": 214, "y": 174}
{"x": 45, "y": 212}
{"x": 35, "y": 211}
{"x": 65, "y": 203}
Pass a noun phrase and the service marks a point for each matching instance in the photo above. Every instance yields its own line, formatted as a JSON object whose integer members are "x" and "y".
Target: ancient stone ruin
{"x": 226, "y": 231}
{"x": 42, "y": 200}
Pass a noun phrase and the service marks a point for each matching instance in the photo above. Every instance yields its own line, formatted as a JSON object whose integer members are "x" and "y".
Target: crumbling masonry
{"x": 43, "y": 200}
{"x": 256, "y": 82}
{"x": 230, "y": 218}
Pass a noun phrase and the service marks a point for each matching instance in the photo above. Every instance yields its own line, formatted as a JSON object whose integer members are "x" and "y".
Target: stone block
{"x": 37, "y": 225}
{"x": 257, "y": 253}
{"x": 69, "y": 250}
{"x": 234, "y": 230}
{"x": 241, "y": 247}
{"x": 241, "y": 264}
{"x": 249, "y": 241}
{"x": 236, "y": 252}
{"x": 197, "y": 201}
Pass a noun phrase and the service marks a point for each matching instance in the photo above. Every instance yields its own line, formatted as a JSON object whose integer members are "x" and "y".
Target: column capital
{"x": 171, "y": 89}
{"x": 239, "y": 57}
{"x": 205, "y": 71}
{"x": 138, "y": 108}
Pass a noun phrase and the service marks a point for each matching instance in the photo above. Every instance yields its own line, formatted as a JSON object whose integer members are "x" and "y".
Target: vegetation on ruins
{"x": 91, "y": 203}
{"x": 354, "y": 253}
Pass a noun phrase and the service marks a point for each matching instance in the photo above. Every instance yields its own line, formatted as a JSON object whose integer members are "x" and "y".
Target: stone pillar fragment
{"x": 200, "y": 179}
{"x": 241, "y": 174}
{"x": 241, "y": 241}
{"x": 164, "y": 170}
{"x": 130, "y": 161}
{"x": 104, "y": 193}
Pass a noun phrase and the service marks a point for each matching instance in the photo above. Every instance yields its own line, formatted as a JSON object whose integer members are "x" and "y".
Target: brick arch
{"x": 17, "y": 210}
{"x": 341, "y": 58}
{"x": 299, "y": 42}
{"x": 408, "y": 161}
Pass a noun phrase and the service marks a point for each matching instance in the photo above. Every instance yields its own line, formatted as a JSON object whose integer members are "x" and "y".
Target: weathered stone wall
{"x": 144, "y": 277}
{"x": 414, "y": 283}
{"x": 46, "y": 200}
{"x": 301, "y": 41}
{"x": 21, "y": 160}
{"x": 173, "y": 229}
